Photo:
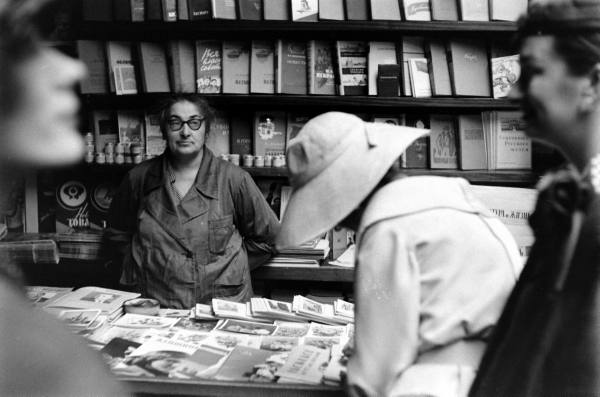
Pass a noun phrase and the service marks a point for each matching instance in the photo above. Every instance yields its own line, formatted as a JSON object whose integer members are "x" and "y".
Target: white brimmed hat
{"x": 334, "y": 162}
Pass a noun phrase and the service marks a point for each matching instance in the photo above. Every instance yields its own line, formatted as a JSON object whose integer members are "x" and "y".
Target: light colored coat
{"x": 434, "y": 269}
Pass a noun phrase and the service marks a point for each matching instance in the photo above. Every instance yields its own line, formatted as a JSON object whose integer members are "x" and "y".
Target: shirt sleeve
{"x": 121, "y": 224}
{"x": 387, "y": 294}
{"x": 256, "y": 222}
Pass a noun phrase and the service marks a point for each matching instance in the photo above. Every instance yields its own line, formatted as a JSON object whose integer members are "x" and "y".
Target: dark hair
{"x": 575, "y": 25}
{"x": 23, "y": 23}
{"x": 202, "y": 104}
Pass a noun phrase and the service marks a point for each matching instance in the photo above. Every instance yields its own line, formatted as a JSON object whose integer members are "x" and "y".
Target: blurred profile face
{"x": 182, "y": 140}
{"x": 548, "y": 92}
{"x": 43, "y": 130}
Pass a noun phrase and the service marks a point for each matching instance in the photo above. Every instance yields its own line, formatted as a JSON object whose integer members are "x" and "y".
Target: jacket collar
{"x": 206, "y": 180}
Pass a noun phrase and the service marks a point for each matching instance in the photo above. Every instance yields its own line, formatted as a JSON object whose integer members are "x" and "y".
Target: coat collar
{"x": 206, "y": 180}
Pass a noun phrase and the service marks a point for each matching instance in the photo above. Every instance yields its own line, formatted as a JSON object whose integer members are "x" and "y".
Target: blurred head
{"x": 179, "y": 116}
{"x": 335, "y": 162}
{"x": 560, "y": 54}
{"x": 38, "y": 104}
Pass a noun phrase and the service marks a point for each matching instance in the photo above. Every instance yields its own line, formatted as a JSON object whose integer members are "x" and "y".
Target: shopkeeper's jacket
{"x": 196, "y": 250}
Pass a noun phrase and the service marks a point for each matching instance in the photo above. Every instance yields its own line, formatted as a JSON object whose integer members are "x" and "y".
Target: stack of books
{"x": 309, "y": 254}
{"x": 43, "y": 251}
{"x": 319, "y": 312}
{"x": 80, "y": 245}
{"x": 108, "y": 301}
{"x": 273, "y": 309}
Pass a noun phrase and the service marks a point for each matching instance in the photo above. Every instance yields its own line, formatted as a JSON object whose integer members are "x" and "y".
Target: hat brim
{"x": 329, "y": 197}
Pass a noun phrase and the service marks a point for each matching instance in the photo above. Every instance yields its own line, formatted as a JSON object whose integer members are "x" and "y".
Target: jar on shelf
{"x": 248, "y": 160}
{"x": 259, "y": 161}
{"x": 234, "y": 158}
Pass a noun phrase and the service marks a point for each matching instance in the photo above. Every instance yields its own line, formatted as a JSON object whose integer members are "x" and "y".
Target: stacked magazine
{"x": 315, "y": 311}
{"x": 309, "y": 254}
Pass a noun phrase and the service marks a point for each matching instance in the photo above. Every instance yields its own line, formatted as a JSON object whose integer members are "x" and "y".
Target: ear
{"x": 590, "y": 97}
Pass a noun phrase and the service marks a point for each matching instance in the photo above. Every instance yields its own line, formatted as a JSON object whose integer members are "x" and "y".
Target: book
{"x": 471, "y": 143}
{"x": 357, "y": 10}
{"x": 295, "y": 122}
{"x": 121, "y": 11}
{"x": 122, "y": 70}
{"x": 385, "y": 10}
{"x": 412, "y": 47}
{"x": 92, "y": 54}
{"x": 97, "y": 10}
{"x": 262, "y": 67}
{"x": 130, "y": 125}
{"x": 351, "y": 58}
{"x": 513, "y": 206}
{"x": 154, "y": 10}
{"x": 304, "y": 10}
{"x": 320, "y": 68}
{"x": 182, "y": 73}
{"x": 105, "y": 299}
{"x": 473, "y": 10}
{"x": 153, "y": 67}
{"x": 246, "y": 327}
{"x": 507, "y": 10}
{"x": 155, "y": 143}
{"x": 199, "y": 9}
{"x": 444, "y": 10}
{"x": 291, "y": 69}
{"x": 30, "y": 252}
{"x": 183, "y": 11}
{"x": 138, "y": 10}
{"x": 276, "y": 10}
{"x": 169, "y": 10}
{"x": 380, "y": 53}
{"x": 43, "y": 295}
{"x": 417, "y": 154}
{"x": 416, "y": 10}
{"x": 505, "y": 74}
{"x": 208, "y": 66}
{"x": 105, "y": 128}
{"x": 420, "y": 84}
{"x": 241, "y": 362}
{"x": 331, "y": 10}
{"x": 223, "y": 9}
{"x": 241, "y": 133}
{"x": 236, "y": 67}
{"x": 218, "y": 137}
{"x": 469, "y": 68}
{"x": 250, "y": 9}
{"x": 442, "y": 142}
{"x": 439, "y": 75}
{"x": 507, "y": 145}
{"x": 269, "y": 133}
{"x": 72, "y": 204}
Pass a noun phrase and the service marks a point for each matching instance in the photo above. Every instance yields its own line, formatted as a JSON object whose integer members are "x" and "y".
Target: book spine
{"x": 208, "y": 67}
{"x": 357, "y": 10}
{"x": 154, "y": 10}
{"x": 122, "y": 11}
{"x": 138, "y": 10}
{"x": 199, "y": 9}
{"x": 169, "y": 10}
{"x": 183, "y": 12}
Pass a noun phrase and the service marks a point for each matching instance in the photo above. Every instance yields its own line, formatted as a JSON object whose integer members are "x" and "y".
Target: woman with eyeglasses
{"x": 188, "y": 226}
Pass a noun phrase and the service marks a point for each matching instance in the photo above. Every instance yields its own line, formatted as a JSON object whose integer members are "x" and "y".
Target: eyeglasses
{"x": 175, "y": 123}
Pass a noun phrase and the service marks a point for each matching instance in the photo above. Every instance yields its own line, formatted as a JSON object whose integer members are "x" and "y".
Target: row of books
{"x": 489, "y": 140}
{"x": 414, "y": 66}
{"x": 303, "y": 10}
{"x": 222, "y": 349}
{"x": 301, "y": 309}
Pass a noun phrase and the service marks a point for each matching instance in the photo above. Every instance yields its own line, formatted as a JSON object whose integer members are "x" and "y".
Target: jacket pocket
{"x": 219, "y": 233}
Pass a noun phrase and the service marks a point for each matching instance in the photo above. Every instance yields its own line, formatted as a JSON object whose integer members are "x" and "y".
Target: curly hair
{"x": 575, "y": 25}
